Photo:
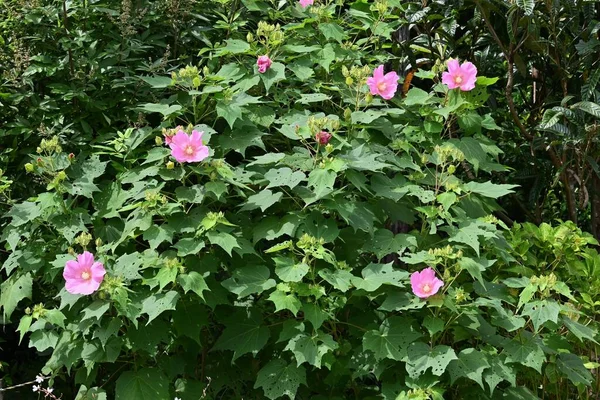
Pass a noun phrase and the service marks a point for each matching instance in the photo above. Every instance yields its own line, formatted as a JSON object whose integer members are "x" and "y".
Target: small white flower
{"x": 176, "y": 398}
{"x": 39, "y": 378}
{"x": 49, "y": 390}
{"x": 36, "y": 388}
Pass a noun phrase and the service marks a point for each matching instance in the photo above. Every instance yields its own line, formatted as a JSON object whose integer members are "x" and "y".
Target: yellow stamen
{"x": 382, "y": 86}
{"x": 189, "y": 150}
{"x": 458, "y": 80}
{"x": 426, "y": 288}
{"x": 85, "y": 275}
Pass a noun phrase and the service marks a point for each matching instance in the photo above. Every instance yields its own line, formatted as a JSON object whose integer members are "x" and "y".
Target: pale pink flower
{"x": 323, "y": 137}
{"x": 188, "y": 148}
{"x": 460, "y": 76}
{"x": 306, "y": 3}
{"x": 83, "y": 276}
{"x": 383, "y": 85}
{"x": 264, "y": 63}
{"x": 425, "y": 283}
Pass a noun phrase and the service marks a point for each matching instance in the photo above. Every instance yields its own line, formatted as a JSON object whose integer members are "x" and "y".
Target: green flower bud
{"x": 61, "y": 176}
{"x": 170, "y": 165}
{"x": 369, "y": 98}
{"x": 29, "y": 167}
{"x": 158, "y": 140}
{"x": 451, "y": 169}
{"x": 349, "y": 81}
{"x": 347, "y": 114}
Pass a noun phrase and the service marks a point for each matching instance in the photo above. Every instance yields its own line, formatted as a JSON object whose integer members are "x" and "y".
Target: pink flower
{"x": 460, "y": 76}
{"x": 323, "y": 137}
{"x": 425, "y": 283}
{"x": 188, "y": 148}
{"x": 83, "y": 276}
{"x": 383, "y": 85}
{"x": 306, "y": 3}
{"x": 264, "y": 63}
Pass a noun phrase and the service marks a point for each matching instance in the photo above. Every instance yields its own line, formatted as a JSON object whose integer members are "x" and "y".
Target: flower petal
{"x": 453, "y": 65}
{"x": 85, "y": 260}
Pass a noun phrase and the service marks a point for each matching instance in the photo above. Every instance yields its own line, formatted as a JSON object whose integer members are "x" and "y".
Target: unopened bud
{"x": 451, "y": 169}
{"x": 71, "y": 156}
{"x": 29, "y": 167}
{"x": 71, "y": 251}
{"x": 347, "y": 114}
{"x": 99, "y": 243}
{"x": 170, "y": 165}
{"x": 349, "y": 81}
{"x": 369, "y": 98}
{"x": 61, "y": 176}
{"x": 158, "y": 140}
{"x": 323, "y": 137}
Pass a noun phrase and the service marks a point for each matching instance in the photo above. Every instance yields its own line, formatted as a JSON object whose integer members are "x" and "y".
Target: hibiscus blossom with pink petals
{"x": 263, "y": 63}
{"x": 425, "y": 283}
{"x": 460, "y": 76}
{"x": 306, "y": 3}
{"x": 84, "y": 275}
{"x": 383, "y": 85}
{"x": 188, "y": 148}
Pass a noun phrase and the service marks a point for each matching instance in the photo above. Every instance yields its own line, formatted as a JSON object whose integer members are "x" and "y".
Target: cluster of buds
{"x": 169, "y": 133}
{"x": 83, "y": 239}
{"x": 309, "y": 244}
{"x": 49, "y": 146}
{"x": 447, "y": 152}
{"x": 443, "y": 254}
{"x": 267, "y": 34}
{"x": 545, "y": 283}
{"x": 189, "y": 77}
{"x": 153, "y": 199}
{"x": 356, "y": 75}
{"x": 381, "y": 6}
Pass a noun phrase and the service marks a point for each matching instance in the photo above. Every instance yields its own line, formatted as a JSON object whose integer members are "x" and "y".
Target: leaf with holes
{"x": 420, "y": 357}
{"x": 311, "y": 348}
{"x": 391, "y": 339}
{"x": 470, "y": 364}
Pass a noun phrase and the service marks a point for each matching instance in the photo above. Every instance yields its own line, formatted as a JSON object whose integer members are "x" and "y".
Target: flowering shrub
{"x": 310, "y": 232}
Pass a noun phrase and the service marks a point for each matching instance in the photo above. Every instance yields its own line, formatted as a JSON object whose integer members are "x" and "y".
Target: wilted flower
{"x": 188, "y": 148}
{"x": 323, "y": 137}
{"x": 425, "y": 283}
{"x": 306, "y": 3}
{"x": 460, "y": 76}
{"x": 83, "y": 276}
{"x": 264, "y": 63}
{"x": 383, "y": 85}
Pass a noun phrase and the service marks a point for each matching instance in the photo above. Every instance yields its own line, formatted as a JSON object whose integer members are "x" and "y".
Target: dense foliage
{"x": 273, "y": 257}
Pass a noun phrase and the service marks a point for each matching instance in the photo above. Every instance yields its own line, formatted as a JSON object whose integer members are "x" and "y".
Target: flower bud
{"x": 369, "y": 98}
{"x": 347, "y": 114}
{"x": 250, "y": 37}
{"x": 61, "y": 176}
{"x": 170, "y": 165}
{"x": 349, "y": 81}
{"x": 71, "y": 156}
{"x": 71, "y": 251}
{"x": 29, "y": 167}
{"x": 99, "y": 243}
{"x": 158, "y": 140}
{"x": 323, "y": 137}
{"x": 196, "y": 82}
{"x": 451, "y": 169}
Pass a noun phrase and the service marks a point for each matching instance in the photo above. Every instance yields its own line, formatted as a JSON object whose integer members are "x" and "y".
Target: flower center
{"x": 189, "y": 150}
{"x": 382, "y": 86}
{"x": 458, "y": 80}
{"x": 426, "y": 288}
{"x": 85, "y": 275}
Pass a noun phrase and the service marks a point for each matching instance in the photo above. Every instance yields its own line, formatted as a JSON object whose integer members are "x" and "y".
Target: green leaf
{"x": 263, "y": 200}
{"x": 12, "y": 291}
{"x": 193, "y": 281}
{"x": 470, "y": 364}
{"x": 307, "y": 98}
{"x": 475, "y": 267}
{"x": 333, "y": 31}
{"x": 384, "y": 242}
{"x": 284, "y": 301}
{"x": 278, "y": 378}
{"x": 433, "y": 324}
{"x": 95, "y": 310}
{"x": 416, "y": 96}
{"x": 159, "y": 303}
{"x": 326, "y": 56}
{"x": 230, "y": 112}
{"x": 314, "y": 314}
{"x": 541, "y": 312}
{"x": 243, "y": 334}
{"x": 190, "y": 194}
{"x": 523, "y": 349}
{"x": 163, "y": 109}
{"x": 499, "y": 371}
{"x": 526, "y": 5}
{"x": 322, "y": 181}
{"x": 273, "y": 75}
{"x": 189, "y": 319}
{"x": 579, "y": 330}
{"x": 420, "y": 357}
{"x": 572, "y": 366}
{"x": 311, "y": 348}
{"x": 84, "y": 175}
{"x": 376, "y": 275}
{"x": 234, "y": 46}
{"x": 24, "y": 213}
{"x": 157, "y": 82}
{"x": 224, "y": 240}
{"x": 284, "y": 177}
{"x": 248, "y": 280}
{"x": 143, "y": 384}
{"x": 187, "y": 246}
{"x": 339, "y": 279}
{"x": 288, "y": 270}
{"x": 24, "y": 325}
{"x": 392, "y": 339}
{"x": 489, "y": 189}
